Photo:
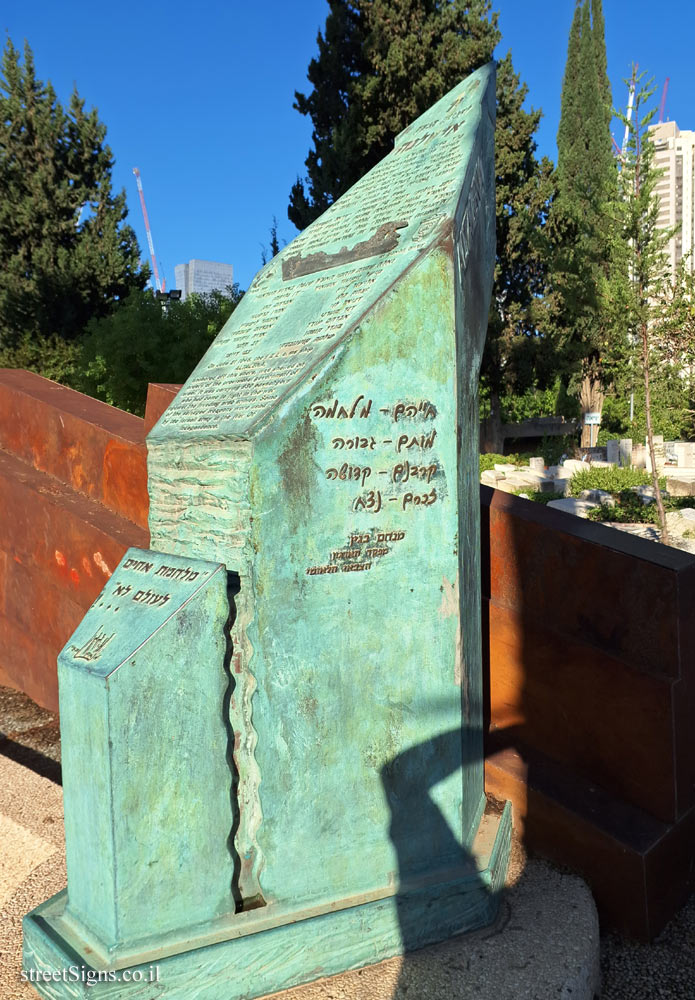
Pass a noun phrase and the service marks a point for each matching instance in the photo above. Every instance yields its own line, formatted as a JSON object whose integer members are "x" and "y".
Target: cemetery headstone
{"x": 325, "y": 452}
{"x": 625, "y": 453}
{"x": 612, "y": 451}
{"x": 639, "y": 456}
{"x": 685, "y": 451}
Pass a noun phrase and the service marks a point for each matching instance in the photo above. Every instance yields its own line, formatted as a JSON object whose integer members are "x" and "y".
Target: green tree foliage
{"x": 65, "y": 254}
{"x": 585, "y": 169}
{"x": 336, "y": 161}
{"x": 599, "y": 33}
{"x": 268, "y": 253}
{"x": 635, "y": 286}
{"x": 51, "y": 357}
{"x": 516, "y": 358}
{"x": 382, "y": 63}
{"x": 586, "y": 192}
{"x": 142, "y": 341}
{"x": 671, "y": 362}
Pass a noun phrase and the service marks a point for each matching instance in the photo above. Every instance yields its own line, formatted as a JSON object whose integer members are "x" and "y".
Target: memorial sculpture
{"x": 272, "y": 721}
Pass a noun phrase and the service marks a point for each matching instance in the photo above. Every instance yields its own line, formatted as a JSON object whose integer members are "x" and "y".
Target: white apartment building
{"x": 675, "y": 155}
{"x": 203, "y": 276}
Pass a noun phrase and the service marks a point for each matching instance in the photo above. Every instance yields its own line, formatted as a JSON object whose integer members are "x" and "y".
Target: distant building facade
{"x": 203, "y": 276}
{"x": 675, "y": 155}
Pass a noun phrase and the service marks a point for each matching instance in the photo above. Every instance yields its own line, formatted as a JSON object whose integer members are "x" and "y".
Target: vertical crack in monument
{"x": 324, "y": 452}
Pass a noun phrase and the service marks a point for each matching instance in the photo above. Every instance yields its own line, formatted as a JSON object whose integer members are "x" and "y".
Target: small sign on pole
{"x": 592, "y": 419}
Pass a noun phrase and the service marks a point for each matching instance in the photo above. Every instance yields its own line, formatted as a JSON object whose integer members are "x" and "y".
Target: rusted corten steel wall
{"x": 591, "y": 643}
{"x": 73, "y": 497}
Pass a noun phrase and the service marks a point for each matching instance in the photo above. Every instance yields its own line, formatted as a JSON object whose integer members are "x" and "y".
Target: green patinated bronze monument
{"x": 283, "y": 762}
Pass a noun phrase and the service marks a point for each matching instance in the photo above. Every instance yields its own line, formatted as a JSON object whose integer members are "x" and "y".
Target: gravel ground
{"x": 663, "y": 970}
{"x": 29, "y": 737}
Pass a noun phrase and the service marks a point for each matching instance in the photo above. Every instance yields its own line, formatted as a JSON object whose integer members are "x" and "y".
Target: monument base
{"x": 276, "y": 957}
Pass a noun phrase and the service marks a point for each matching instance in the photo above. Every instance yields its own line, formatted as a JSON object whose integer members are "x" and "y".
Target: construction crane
{"x": 663, "y": 100}
{"x": 150, "y": 244}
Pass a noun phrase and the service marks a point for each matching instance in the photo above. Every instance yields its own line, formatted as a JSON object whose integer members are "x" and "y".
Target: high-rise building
{"x": 675, "y": 155}
{"x": 203, "y": 276}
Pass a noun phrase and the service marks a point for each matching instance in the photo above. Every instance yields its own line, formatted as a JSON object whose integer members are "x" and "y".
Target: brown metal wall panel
{"x": 684, "y": 692}
{"x": 95, "y": 449}
{"x": 595, "y": 713}
{"x": 571, "y": 836}
{"x": 613, "y": 591}
{"x": 159, "y": 395}
{"x": 47, "y": 527}
{"x": 28, "y": 664}
{"x": 670, "y": 873}
{"x": 47, "y": 611}
{"x": 57, "y": 550}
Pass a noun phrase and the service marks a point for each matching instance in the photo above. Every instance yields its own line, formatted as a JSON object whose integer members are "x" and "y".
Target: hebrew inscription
{"x": 144, "y": 590}
{"x": 384, "y": 465}
{"x": 320, "y": 286}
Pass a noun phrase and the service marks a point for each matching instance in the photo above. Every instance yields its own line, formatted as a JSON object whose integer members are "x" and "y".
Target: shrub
{"x": 629, "y": 509}
{"x": 491, "y": 460}
{"x": 611, "y": 479}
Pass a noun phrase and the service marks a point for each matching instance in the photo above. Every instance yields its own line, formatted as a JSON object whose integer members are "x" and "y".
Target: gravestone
{"x": 625, "y": 453}
{"x": 685, "y": 453}
{"x": 325, "y": 451}
{"x": 613, "y": 451}
{"x": 639, "y": 456}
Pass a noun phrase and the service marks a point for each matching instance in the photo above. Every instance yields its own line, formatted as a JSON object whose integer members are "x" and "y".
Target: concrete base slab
{"x": 545, "y": 943}
{"x": 273, "y": 951}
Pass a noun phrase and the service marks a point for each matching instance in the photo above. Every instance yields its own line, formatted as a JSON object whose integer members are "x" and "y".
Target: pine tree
{"x": 65, "y": 255}
{"x": 381, "y": 64}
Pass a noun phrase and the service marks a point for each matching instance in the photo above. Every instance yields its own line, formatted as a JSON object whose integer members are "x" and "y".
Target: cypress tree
{"x": 585, "y": 163}
{"x": 65, "y": 255}
{"x": 570, "y": 117}
{"x": 581, "y": 213}
{"x": 599, "y": 33}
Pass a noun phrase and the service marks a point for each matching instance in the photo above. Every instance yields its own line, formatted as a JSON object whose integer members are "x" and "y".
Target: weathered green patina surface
{"x": 137, "y": 682}
{"x": 325, "y": 450}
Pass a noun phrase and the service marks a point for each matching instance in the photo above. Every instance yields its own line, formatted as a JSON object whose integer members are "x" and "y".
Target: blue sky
{"x": 199, "y": 97}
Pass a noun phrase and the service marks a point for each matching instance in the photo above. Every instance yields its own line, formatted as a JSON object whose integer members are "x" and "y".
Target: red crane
{"x": 150, "y": 244}
{"x": 663, "y": 100}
